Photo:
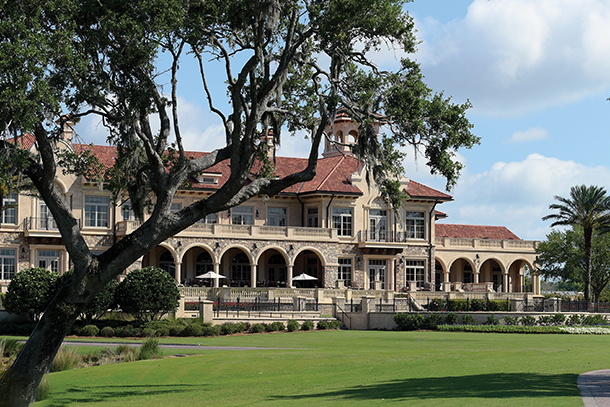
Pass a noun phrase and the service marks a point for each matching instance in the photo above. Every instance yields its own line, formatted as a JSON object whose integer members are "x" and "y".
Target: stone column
{"x": 477, "y": 278}
{"x": 178, "y": 272}
{"x": 390, "y": 283}
{"x": 505, "y": 287}
{"x": 289, "y": 282}
{"x": 253, "y": 268}
{"x": 217, "y": 270}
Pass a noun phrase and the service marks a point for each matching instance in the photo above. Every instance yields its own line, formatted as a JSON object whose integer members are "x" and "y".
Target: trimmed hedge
{"x": 438, "y": 304}
{"x": 501, "y": 329}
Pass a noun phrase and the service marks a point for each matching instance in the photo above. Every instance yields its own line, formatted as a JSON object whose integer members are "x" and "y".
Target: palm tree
{"x": 588, "y": 207}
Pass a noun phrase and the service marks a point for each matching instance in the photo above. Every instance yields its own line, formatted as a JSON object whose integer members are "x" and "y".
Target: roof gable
{"x": 474, "y": 232}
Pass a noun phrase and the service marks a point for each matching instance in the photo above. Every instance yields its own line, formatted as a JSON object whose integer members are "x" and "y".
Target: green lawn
{"x": 349, "y": 368}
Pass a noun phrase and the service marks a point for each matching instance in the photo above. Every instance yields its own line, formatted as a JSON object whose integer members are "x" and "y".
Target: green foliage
{"x": 468, "y": 320}
{"x": 594, "y": 319}
{"x": 409, "y": 322}
{"x": 228, "y": 328}
{"x": 588, "y": 207}
{"x": 107, "y": 332}
{"x": 558, "y": 319}
{"x": 66, "y": 359}
{"x": 257, "y": 328}
{"x": 176, "y": 330}
{"x": 562, "y": 255}
{"x": 192, "y": 330}
{"x": 501, "y": 329}
{"x": 43, "y": 389}
{"x": 209, "y": 330}
{"x": 275, "y": 326}
{"x": 491, "y": 320}
{"x": 89, "y": 330}
{"x": 148, "y": 293}
{"x": 30, "y": 292}
{"x": 573, "y": 320}
{"x": 307, "y": 326}
{"x": 508, "y": 320}
{"x": 438, "y": 304}
{"x": 292, "y": 325}
{"x": 150, "y": 350}
{"x": 451, "y": 318}
{"x": 528, "y": 320}
{"x": 323, "y": 325}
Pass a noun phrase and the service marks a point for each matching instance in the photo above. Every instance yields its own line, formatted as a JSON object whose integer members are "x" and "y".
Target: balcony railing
{"x": 372, "y": 236}
{"x": 223, "y": 230}
{"x": 42, "y": 224}
{"x": 486, "y": 243}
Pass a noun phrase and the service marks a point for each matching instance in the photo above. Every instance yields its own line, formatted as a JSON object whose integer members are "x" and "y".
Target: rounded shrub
{"x": 451, "y": 318}
{"x": 293, "y": 325}
{"x": 307, "y": 326}
{"x": 192, "y": 330}
{"x": 227, "y": 328}
{"x": 528, "y": 320}
{"x": 89, "y": 330}
{"x": 322, "y": 325}
{"x": 257, "y": 328}
{"x": 162, "y": 331}
{"x": 468, "y": 320}
{"x": 107, "y": 332}
{"x": 336, "y": 324}
{"x": 211, "y": 330}
{"x": 276, "y": 326}
{"x": 176, "y": 330}
{"x": 149, "y": 332}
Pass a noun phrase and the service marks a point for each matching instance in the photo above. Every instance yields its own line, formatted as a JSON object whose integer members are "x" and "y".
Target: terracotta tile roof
{"x": 332, "y": 173}
{"x": 26, "y": 141}
{"x": 474, "y": 232}
{"x": 417, "y": 190}
{"x": 439, "y": 214}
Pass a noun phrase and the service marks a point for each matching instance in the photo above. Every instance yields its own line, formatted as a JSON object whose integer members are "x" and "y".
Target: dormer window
{"x": 208, "y": 179}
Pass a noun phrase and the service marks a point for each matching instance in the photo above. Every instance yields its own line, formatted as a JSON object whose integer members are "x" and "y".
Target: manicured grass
{"x": 349, "y": 368}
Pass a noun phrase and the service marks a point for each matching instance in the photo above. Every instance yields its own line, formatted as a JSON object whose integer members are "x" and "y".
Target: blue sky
{"x": 538, "y": 75}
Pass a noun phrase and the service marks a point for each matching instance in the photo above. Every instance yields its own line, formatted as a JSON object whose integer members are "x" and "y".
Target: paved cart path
{"x": 595, "y": 388}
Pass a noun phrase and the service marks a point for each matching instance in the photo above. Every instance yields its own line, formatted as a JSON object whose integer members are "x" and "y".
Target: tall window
{"x": 312, "y": 217}
{"x": 377, "y": 270}
{"x": 242, "y": 215}
{"x": 9, "y": 215}
{"x": 45, "y": 221}
{"x": 127, "y": 212}
{"x": 8, "y": 263}
{"x": 167, "y": 263}
{"x": 415, "y": 271}
{"x": 96, "y": 211}
{"x": 241, "y": 270}
{"x": 415, "y": 225}
{"x": 468, "y": 276}
{"x": 48, "y": 259}
{"x": 204, "y": 263}
{"x": 276, "y": 216}
{"x": 345, "y": 271}
{"x": 342, "y": 221}
{"x": 277, "y": 268}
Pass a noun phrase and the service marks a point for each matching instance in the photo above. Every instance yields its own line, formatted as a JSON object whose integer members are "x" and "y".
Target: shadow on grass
{"x": 484, "y": 386}
{"x": 94, "y": 394}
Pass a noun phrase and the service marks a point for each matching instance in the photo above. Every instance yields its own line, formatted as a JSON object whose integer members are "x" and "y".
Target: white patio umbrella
{"x": 303, "y": 277}
{"x": 211, "y": 274}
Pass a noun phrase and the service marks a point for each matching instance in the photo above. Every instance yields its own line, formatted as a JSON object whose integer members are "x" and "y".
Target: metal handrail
{"x": 344, "y": 314}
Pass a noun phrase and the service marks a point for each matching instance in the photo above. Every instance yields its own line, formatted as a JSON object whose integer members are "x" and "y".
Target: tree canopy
{"x": 589, "y": 208}
{"x": 287, "y": 65}
{"x": 562, "y": 255}
{"x": 148, "y": 293}
{"x": 30, "y": 292}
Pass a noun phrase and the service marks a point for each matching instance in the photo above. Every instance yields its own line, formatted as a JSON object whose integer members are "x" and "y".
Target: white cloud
{"x": 531, "y": 134}
{"x": 515, "y": 56}
{"x": 517, "y": 194}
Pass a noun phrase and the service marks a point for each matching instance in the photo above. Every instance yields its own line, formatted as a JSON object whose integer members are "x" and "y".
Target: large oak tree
{"x": 288, "y": 66}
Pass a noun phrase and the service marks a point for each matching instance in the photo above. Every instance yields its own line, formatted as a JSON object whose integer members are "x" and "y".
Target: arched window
{"x": 241, "y": 271}
{"x": 204, "y": 263}
{"x": 276, "y": 269}
{"x": 468, "y": 276}
{"x": 167, "y": 263}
